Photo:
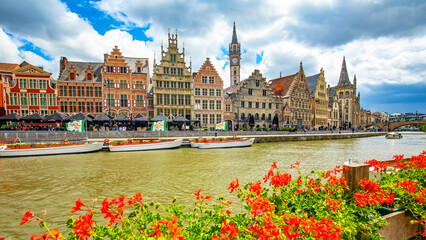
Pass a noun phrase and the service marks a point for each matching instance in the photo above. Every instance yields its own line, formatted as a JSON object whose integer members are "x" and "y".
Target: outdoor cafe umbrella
{"x": 80, "y": 116}
{"x": 10, "y": 117}
{"x": 101, "y": 118}
{"x": 180, "y": 119}
{"x": 160, "y": 117}
{"x": 140, "y": 118}
{"x": 56, "y": 117}
{"x": 32, "y": 118}
{"x": 122, "y": 118}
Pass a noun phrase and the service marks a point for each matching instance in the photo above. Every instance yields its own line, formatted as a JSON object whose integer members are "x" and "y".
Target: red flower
{"x": 136, "y": 198}
{"x": 27, "y": 217}
{"x": 83, "y": 226}
{"x": 281, "y": 180}
{"x": 198, "y": 195}
{"x": 229, "y": 228}
{"x": 255, "y": 188}
{"x": 78, "y": 205}
{"x": 233, "y": 185}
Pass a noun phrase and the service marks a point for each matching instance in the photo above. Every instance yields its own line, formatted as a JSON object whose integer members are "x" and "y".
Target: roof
{"x": 331, "y": 93}
{"x": 81, "y": 68}
{"x": 234, "y": 88}
{"x": 344, "y": 76}
{"x": 8, "y": 66}
{"x": 312, "y": 83}
{"x": 131, "y": 62}
{"x": 234, "y": 35}
{"x": 280, "y": 86}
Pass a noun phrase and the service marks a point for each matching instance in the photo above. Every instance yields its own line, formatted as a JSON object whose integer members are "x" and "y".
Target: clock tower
{"x": 234, "y": 58}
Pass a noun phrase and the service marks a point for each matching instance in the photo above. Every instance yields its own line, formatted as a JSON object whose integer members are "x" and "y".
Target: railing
{"x": 10, "y": 140}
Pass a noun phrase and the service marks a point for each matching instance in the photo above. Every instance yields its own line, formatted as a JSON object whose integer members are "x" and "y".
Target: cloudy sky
{"x": 384, "y": 41}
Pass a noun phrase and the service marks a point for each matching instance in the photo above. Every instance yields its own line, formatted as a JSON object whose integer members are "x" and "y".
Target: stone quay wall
{"x": 261, "y": 136}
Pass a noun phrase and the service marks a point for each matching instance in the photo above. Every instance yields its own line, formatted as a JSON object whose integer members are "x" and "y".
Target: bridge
{"x": 391, "y": 126}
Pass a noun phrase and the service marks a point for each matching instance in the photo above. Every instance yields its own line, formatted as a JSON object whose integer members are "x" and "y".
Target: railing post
{"x": 356, "y": 172}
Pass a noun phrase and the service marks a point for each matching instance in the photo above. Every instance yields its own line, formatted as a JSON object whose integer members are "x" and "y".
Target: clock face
{"x": 234, "y": 60}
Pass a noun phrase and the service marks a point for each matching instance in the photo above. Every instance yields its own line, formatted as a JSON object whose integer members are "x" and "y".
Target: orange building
{"x": 125, "y": 82}
{"x": 80, "y": 87}
{"x": 7, "y": 78}
{"x": 30, "y": 91}
{"x": 208, "y": 89}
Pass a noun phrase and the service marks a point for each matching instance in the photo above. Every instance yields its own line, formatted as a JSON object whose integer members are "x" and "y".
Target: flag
{"x": 76, "y": 126}
{"x": 158, "y": 126}
{"x": 220, "y": 126}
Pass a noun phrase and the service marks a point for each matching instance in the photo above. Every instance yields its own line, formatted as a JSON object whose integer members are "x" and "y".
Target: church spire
{"x": 344, "y": 76}
{"x": 234, "y": 35}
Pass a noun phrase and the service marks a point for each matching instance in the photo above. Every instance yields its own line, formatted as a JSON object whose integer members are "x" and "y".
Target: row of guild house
{"x": 122, "y": 85}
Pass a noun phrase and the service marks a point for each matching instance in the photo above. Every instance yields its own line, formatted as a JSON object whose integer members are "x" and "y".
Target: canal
{"x": 54, "y": 183}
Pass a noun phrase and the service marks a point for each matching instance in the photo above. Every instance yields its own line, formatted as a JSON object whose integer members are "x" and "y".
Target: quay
{"x": 260, "y": 136}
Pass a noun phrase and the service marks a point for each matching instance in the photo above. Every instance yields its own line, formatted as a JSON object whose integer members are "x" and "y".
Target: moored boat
{"x": 393, "y": 135}
{"x": 22, "y": 150}
{"x": 142, "y": 145}
{"x": 225, "y": 143}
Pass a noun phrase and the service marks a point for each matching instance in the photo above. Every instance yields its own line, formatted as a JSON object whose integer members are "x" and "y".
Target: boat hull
{"x": 146, "y": 146}
{"x": 226, "y": 144}
{"x": 63, "y": 149}
{"x": 393, "y": 136}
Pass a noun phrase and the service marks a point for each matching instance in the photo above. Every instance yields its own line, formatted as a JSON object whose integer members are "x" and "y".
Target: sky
{"x": 383, "y": 41}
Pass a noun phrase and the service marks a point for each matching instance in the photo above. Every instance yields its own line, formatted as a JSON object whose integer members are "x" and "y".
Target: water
{"x": 54, "y": 183}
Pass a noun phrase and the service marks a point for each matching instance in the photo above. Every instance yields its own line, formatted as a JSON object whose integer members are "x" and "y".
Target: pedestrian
{"x": 23, "y": 125}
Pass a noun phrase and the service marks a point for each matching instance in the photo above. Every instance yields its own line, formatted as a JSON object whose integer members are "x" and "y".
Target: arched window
{"x": 347, "y": 94}
{"x": 242, "y": 116}
{"x": 269, "y": 117}
{"x": 263, "y": 116}
{"x": 256, "y": 116}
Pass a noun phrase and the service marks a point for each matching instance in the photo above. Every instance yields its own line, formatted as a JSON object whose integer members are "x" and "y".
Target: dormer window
{"x": 139, "y": 69}
{"x": 89, "y": 77}
{"x": 72, "y": 76}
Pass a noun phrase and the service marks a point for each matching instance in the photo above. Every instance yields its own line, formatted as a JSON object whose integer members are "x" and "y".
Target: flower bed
{"x": 319, "y": 205}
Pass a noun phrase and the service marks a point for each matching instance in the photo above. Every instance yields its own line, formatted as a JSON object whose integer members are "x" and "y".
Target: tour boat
{"x": 393, "y": 135}
{"x": 142, "y": 144}
{"x": 22, "y": 150}
{"x": 225, "y": 143}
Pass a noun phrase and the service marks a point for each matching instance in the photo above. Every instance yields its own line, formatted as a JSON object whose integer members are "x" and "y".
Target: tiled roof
{"x": 280, "y": 86}
{"x": 132, "y": 62}
{"x": 312, "y": 83}
{"x": 331, "y": 93}
{"x": 8, "y": 66}
{"x": 81, "y": 67}
{"x": 344, "y": 76}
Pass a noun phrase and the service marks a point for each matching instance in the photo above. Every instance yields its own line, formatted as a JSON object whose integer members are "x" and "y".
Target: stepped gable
{"x": 344, "y": 76}
{"x": 312, "y": 83}
{"x": 81, "y": 68}
{"x": 281, "y": 86}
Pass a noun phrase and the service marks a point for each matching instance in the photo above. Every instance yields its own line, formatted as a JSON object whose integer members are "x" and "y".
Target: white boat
{"x": 226, "y": 143}
{"x": 393, "y": 135}
{"x": 144, "y": 145}
{"x": 7, "y": 151}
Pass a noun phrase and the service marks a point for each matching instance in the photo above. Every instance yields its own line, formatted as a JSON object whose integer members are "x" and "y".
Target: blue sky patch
{"x": 259, "y": 57}
{"x": 30, "y": 47}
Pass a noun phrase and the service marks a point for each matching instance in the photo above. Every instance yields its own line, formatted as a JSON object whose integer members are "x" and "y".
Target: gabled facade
{"x": 173, "y": 87}
{"x": 333, "y": 109}
{"x": 297, "y": 100}
{"x": 80, "y": 87}
{"x": 31, "y": 91}
{"x": 125, "y": 82}
{"x": 208, "y": 95}
{"x": 254, "y": 104}
{"x": 6, "y": 79}
{"x": 318, "y": 89}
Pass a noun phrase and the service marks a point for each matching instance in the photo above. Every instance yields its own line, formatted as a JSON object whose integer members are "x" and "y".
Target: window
{"x": 204, "y": 92}
{"x": 73, "y": 107}
{"x": 180, "y": 99}
{"x": 204, "y": 79}
{"x": 347, "y": 94}
{"x": 123, "y": 84}
{"x": 98, "y": 107}
{"x": 166, "y": 99}
{"x": 249, "y": 105}
{"x": 205, "y": 119}
{"x": 98, "y": 92}
{"x": 173, "y": 71}
{"x": 341, "y": 95}
{"x": 228, "y": 107}
{"x": 180, "y": 71}
{"x": 174, "y": 99}
{"x": 218, "y": 92}
{"x": 242, "y": 104}
{"x": 24, "y": 113}
{"x": 72, "y": 76}
{"x": 139, "y": 69}
{"x": 89, "y": 77}
{"x": 218, "y": 105}
{"x": 211, "y": 92}
{"x": 197, "y": 92}
{"x": 159, "y": 99}
{"x": 139, "y": 100}
{"x": 42, "y": 84}
{"x": 159, "y": 84}
{"x": 72, "y": 91}
{"x": 43, "y": 99}
{"x": 264, "y": 93}
{"x": 250, "y": 91}
{"x": 211, "y": 80}
{"x": 187, "y": 100}
{"x": 89, "y": 107}
{"x": 205, "y": 104}
{"x": 180, "y": 84}
{"x": 80, "y": 91}
{"x": 270, "y": 105}
{"x": 110, "y": 69}
{"x": 110, "y": 100}
{"x": 13, "y": 98}
{"x": 263, "y": 105}
{"x": 139, "y": 85}
{"x": 166, "y": 70}
{"x": 52, "y": 100}
{"x": 123, "y": 69}
{"x": 211, "y": 104}
{"x": 172, "y": 57}
{"x": 123, "y": 100}
{"x": 22, "y": 83}
{"x": 81, "y": 107}
{"x": 166, "y": 84}
{"x": 63, "y": 91}
{"x": 257, "y": 83}
{"x": 212, "y": 119}
{"x": 24, "y": 99}
{"x": 89, "y": 91}
{"x": 257, "y": 105}
{"x": 187, "y": 85}
{"x": 43, "y": 113}
{"x": 33, "y": 83}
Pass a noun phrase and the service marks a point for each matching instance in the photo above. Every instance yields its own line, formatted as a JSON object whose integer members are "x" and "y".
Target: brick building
{"x": 30, "y": 90}
{"x": 318, "y": 88}
{"x": 80, "y": 87}
{"x": 173, "y": 87}
{"x": 208, "y": 95}
{"x": 7, "y": 79}
{"x": 125, "y": 83}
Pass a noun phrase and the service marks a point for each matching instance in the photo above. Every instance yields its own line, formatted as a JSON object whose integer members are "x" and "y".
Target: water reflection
{"x": 55, "y": 182}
